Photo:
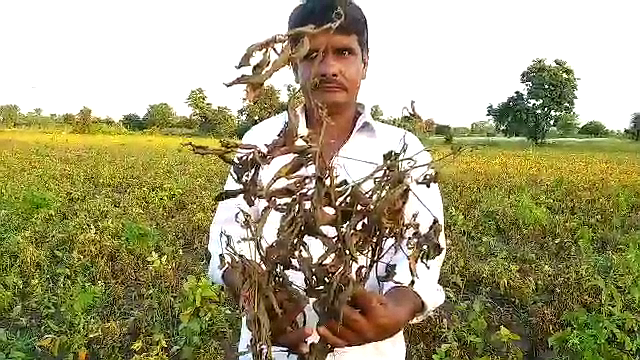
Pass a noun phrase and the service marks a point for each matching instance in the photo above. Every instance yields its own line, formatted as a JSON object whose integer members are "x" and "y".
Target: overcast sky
{"x": 452, "y": 57}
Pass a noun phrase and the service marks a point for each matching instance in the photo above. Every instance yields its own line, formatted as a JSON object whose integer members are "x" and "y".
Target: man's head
{"x": 343, "y": 65}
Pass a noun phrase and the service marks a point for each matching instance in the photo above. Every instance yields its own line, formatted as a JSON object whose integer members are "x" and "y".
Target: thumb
{"x": 295, "y": 340}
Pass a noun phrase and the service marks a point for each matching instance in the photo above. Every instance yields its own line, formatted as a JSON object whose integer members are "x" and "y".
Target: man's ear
{"x": 365, "y": 64}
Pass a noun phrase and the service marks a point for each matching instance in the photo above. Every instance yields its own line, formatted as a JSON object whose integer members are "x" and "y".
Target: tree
{"x": 593, "y": 128}
{"x": 461, "y": 131}
{"x": 187, "y": 122}
{"x": 510, "y": 117}
{"x": 37, "y": 111}
{"x": 83, "y": 121}
{"x": 549, "y": 92}
{"x": 376, "y": 113}
{"x": 107, "y": 121}
{"x": 483, "y": 128}
{"x": 634, "y": 126}
{"x": 133, "y": 122}
{"x": 9, "y": 114}
{"x": 221, "y": 124}
{"x": 159, "y": 116}
{"x": 68, "y": 119}
{"x": 200, "y": 108}
{"x": 568, "y": 125}
{"x": 267, "y": 104}
{"x": 443, "y": 130}
{"x": 218, "y": 122}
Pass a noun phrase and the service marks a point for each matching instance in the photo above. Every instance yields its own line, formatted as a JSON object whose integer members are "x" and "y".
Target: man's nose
{"x": 328, "y": 67}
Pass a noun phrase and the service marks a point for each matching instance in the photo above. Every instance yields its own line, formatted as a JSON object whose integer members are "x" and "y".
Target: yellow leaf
{"x": 82, "y": 355}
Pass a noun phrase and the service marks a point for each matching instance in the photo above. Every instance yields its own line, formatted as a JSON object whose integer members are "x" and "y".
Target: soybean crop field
{"x": 103, "y": 251}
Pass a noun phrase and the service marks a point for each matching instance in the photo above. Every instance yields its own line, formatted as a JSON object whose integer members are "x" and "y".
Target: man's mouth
{"x": 330, "y": 87}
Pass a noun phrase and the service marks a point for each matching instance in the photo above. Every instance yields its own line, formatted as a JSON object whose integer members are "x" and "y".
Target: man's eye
{"x": 345, "y": 52}
{"x": 311, "y": 55}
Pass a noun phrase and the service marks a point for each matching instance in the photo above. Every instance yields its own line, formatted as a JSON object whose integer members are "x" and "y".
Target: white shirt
{"x": 357, "y": 158}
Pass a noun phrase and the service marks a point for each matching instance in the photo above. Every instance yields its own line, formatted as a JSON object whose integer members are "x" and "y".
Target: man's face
{"x": 339, "y": 70}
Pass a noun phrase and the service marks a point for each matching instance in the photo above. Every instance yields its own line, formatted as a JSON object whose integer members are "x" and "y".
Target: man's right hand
{"x": 283, "y": 330}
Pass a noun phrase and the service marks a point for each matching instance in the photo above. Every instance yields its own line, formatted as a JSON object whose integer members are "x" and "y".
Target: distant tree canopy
{"x": 83, "y": 121}
{"x": 159, "y": 116}
{"x": 133, "y": 122}
{"x": 593, "y": 128}
{"x": 222, "y": 124}
{"x": 634, "y": 126}
{"x": 484, "y": 128}
{"x": 461, "y": 131}
{"x": 9, "y": 115}
{"x": 567, "y": 125}
{"x": 443, "y": 130}
{"x": 549, "y": 93}
{"x": 218, "y": 122}
{"x": 267, "y": 104}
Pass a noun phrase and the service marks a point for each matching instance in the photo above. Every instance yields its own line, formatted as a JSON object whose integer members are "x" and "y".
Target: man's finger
{"x": 364, "y": 300}
{"x": 343, "y": 333}
{"x": 330, "y": 338}
{"x": 291, "y": 312}
{"x": 295, "y": 340}
{"x": 353, "y": 319}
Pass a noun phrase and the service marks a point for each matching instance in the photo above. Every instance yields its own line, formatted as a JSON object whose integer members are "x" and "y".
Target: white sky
{"x": 452, "y": 57}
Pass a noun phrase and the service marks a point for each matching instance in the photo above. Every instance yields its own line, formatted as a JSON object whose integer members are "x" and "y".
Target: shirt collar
{"x": 364, "y": 124}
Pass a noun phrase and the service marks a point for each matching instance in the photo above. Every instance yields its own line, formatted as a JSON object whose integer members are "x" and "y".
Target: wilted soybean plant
{"x": 357, "y": 218}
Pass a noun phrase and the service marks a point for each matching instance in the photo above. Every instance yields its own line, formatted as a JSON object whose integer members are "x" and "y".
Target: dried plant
{"x": 359, "y": 219}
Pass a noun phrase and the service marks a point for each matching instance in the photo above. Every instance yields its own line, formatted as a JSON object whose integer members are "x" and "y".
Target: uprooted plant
{"x": 357, "y": 222}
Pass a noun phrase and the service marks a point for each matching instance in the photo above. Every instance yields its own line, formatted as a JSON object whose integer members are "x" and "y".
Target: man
{"x": 375, "y": 317}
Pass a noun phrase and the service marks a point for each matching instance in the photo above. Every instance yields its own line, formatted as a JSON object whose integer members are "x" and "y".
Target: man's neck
{"x": 337, "y": 132}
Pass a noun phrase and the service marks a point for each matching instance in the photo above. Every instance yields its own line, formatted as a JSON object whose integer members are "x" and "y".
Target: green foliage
{"x": 68, "y": 119}
{"x": 376, "y": 113}
{"x": 567, "y": 125}
{"x": 634, "y": 126}
{"x": 83, "y": 121}
{"x": 549, "y": 93}
{"x": 133, "y": 122}
{"x": 593, "y": 128}
{"x": 266, "y": 105}
{"x": 9, "y": 115}
{"x": 218, "y": 122}
{"x": 443, "y": 130}
{"x": 222, "y": 124}
{"x": 461, "y": 131}
{"x": 483, "y": 128}
{"x": 159, "y": 116}
{"x": 511, "y": 117}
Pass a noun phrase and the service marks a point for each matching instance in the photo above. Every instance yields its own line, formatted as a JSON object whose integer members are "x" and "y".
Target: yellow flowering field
{"x": 103, "y": 251}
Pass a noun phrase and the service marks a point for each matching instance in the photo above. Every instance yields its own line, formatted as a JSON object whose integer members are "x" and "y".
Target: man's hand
{"x": 371, "y": 317}
{"x": 283, "y": 333}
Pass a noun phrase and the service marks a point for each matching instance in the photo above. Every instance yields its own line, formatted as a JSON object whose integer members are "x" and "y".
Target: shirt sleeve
{"x": 427, "y": 203}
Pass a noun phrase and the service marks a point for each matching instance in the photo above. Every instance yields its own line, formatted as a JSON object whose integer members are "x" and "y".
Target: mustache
{"x": 329, "y": 83}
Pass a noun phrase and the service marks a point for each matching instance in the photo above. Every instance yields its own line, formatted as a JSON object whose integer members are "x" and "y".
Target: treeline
{"x": 545, "y": 109}
{"x": 205, "y": 119}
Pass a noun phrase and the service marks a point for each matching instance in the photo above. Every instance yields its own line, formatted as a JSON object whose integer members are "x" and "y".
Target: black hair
{"x": 320, "y": 12}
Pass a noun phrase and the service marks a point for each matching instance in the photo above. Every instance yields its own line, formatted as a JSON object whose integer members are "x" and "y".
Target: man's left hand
{"x": 370, "y": 317}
